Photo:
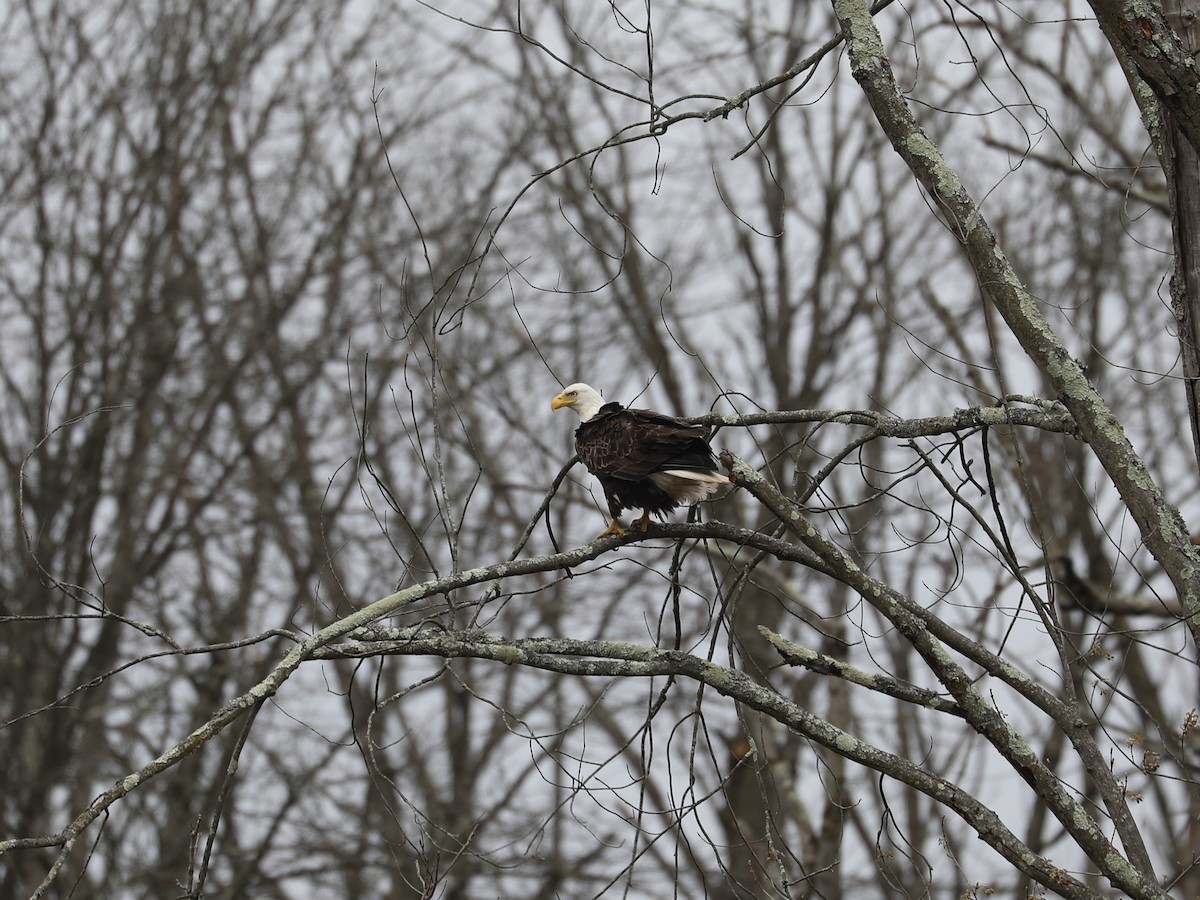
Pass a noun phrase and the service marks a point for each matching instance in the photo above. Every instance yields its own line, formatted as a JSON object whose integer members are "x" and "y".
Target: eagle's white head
{"x": 583, "y": 398}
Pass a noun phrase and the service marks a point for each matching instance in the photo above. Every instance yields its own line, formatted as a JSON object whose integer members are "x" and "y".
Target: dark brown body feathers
{"x": 624, "y": 447}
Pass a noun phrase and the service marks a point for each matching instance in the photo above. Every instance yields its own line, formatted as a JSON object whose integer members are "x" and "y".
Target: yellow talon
{"x": 614, "y": 529}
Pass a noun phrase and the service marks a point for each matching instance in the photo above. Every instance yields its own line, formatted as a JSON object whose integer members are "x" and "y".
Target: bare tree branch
{"x": 1161, "y": 525}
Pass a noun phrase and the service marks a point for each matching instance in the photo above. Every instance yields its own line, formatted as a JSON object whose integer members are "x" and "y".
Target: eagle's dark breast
{"x": 624, "y": 447}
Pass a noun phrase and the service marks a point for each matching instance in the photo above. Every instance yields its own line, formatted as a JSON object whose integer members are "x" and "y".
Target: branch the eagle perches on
{"x": 940, "y": 644}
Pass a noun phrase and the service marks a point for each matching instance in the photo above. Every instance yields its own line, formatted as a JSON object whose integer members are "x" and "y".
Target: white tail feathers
{"x": 687, "y": 486}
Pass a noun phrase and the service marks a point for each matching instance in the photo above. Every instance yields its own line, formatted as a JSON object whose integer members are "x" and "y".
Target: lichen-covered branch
{"x": 611, "y": 658}
{"x": 932, "y": 638}
{"x": 306, "y": 649}
{"x": 796, "y": 655}
{"x": 1029, "y": 412}
{"x": 1161, "y": 526}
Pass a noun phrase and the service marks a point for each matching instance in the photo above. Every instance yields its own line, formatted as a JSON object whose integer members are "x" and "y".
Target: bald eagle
{"x": 644, "y": 460}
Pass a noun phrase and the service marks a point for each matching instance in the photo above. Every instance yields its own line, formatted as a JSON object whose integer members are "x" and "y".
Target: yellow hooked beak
{"x": 559, "y": 402}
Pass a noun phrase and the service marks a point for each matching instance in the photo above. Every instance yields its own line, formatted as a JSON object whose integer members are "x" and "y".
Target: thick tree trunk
{"x": 1158, "y": 55}
{"x": 1181, "y": 165}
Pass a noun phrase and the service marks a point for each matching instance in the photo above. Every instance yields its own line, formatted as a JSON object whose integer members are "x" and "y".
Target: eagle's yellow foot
{"x": 614, "y": 529}
{"x": 643, "y": 524}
